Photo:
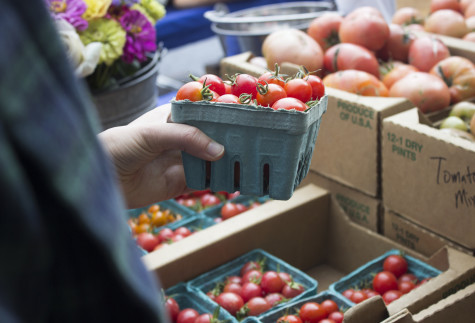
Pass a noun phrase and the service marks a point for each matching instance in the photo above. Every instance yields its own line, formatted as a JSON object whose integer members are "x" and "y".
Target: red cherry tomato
{"x": 290, "y": 103}
{"x": 204, "y": 318}
{"x": 271, "y": 78}
{"x": 336, "y": 316}
{"x": 184, "y": 231}
{"x": 187, "y": 315}
{"x": 299, "y": 89}
{"x": 244, "y": 84}
{"x": 396, "y": 264}
{"x": 268, "y": 94}
{"x": 229, "y": 210}
{"x": 172, "y": 308}
{"x": 250, "y": 290}
{"x": 228, "y": 98}
{"x": 274, "y": 298}
{"x": 358, "y": 296}
{"x": 231, "y": 302}
{"x": 271, "y": 282}
{"x": 209, "y": 200}
{"x": 165, "y": 235}
{"x": 147, "y": 241}
{"x": 391, "y": 295}
{"x": 312, "y": 312}
{"x": 384, "y": 281}
{"x": 251, "y": 275}
{"x": 318, "y": 89}
{"x": 290, "y": 290}
{"x": 290, "y": 318}
{"x": 233, "y": 288}
{"x": 406, "y": 286}
{"x": 250, "y": 265}
{"x": 330, "y": 306}
{"x": 215, "y": 83}
{"x": 193, "y": 91}
{"x": 257, "y": 306}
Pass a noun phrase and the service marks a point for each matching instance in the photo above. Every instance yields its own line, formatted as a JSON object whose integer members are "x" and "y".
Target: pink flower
{"x": 140, "y": 37}
{"x": 69, "y": 10}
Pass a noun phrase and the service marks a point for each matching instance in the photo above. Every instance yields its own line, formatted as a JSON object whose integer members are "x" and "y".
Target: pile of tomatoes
{"x": 255, "y": 290}
{"x": 327, "y": 311}
{"x": 189, "y": 314}
{"x": 391, "y": 283}
{"x": 203, "y": 199}
{"x": 269, "y": 90}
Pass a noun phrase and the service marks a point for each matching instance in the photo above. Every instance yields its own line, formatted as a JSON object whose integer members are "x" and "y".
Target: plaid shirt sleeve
{"x": 66, "y": 254}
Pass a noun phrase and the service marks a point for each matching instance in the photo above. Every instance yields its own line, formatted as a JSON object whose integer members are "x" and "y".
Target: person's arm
{"x": 147, "y": 156}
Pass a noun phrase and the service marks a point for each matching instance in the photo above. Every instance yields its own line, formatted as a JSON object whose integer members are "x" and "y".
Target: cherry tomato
{"x": 231, "y": 302}
{"x": 228, "y": 98}
{"x": 193, "y": 91}
{"x": 233, "y": 288}
{"x": 396, "y": 264}
{"x": 347, "y": 293}
{"x": 257, "y": 305}
{"x": 358, "y": 296}
{"x": 290, "y": 103}
{"x": 165, "y": 234}
{"x": 286, "y": 277}
{"x": 336, "y": 316}
{"x": 330, "y": 306}
{"x": 271, "y": 282}
{"x": 406, "y": 286}
{"x": 391, "y": 295}
{"x": 177, "y": 237}
{"x": 229, "y": 210}
{"x": 234, "y": 279}
{"x": 299, "y": 89}
{"x": 244, "y": 84}
{"x": 147, "y": 241}
{"x": 250, "y": 265}
{"x": 290, "y": 318}
{"x": 268, "y": 94}
{"x": 312, "y": 312}
{"x": 209, "y": 200}
{"x": 327, "y": 320}
{"x": 172, "y": 308}
{"x": 187, "y": 315}
{"x": 384, "y": 281}
{"x": 274, "y": 298}
{"x": 204, "y": 318}
{"x": 318, "y": 89}
{"x": 290, "y": 290}
{"x": 184, "y": 231}
{"x": 408, "y": 277}
{"x": 251, "y": 275}
{"x": 272, "y": 78}
{"x": 250, "y": 290}
{"x": 215, "y": 83}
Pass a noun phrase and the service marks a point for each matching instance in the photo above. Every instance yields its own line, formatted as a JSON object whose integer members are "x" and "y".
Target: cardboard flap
{"x": 440, "y": 259}
{"x": 372, "y": 310}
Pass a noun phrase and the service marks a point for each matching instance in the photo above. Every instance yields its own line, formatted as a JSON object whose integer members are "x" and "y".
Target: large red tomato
{"x": 407, "y": 16}
{"x": 426, "y": 91}
{"x": 365, "y": 28}
{"x": 426, "y": 51}
{"x": 396, "y": 72}
{"x": 346, "y": 56}
{"x": 459, "y": 75}
{"x": 324, "y": 29}
{"x": 357, "y": 82}
{"x": 293, "y": 46}
{"x": 397, "y": 46}
{"x": 446, "y": 22}
{"x": 436, "y": 5}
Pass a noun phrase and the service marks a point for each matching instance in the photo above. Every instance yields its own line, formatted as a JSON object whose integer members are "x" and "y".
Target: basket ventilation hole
{"x": 237, "y": 176}
{"x": 208, "y": 174}
{"x": 265, "y": 180}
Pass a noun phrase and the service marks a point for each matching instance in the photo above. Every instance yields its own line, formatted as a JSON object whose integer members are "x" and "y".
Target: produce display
{"x": 253, "y": 284}
{"x": 256, "y": 119}
{"x": 389, "y": 276}
{"x": 204, "y": 199}
{"x": 365, "y": 55}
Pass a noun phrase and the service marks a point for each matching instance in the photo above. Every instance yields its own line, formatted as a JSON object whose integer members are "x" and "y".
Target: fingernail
{"x": 215, "y": 149}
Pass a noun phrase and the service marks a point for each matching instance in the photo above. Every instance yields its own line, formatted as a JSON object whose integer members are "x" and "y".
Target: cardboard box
{"x": 457, "y": 307}
{"x": 429, "y": 176}
{"x": 414, "y": 236}
{"x": 311, "y": 232}
{"x": 359, "y": 207}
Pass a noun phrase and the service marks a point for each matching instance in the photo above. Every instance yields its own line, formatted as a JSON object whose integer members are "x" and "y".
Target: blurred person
{"x": 66, "y": 252}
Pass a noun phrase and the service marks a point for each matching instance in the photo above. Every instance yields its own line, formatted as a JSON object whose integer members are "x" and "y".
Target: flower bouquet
{"x": 107, "y": 40}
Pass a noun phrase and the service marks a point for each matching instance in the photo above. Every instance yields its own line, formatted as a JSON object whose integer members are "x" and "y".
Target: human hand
{"x": 147, "y": 156}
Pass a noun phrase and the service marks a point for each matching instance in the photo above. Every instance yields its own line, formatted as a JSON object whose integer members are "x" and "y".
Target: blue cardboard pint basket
{"x": 267, "y": 152}
{"x": 187, "y": 299}
{"x": 207, "y": 281}
{"x": 293, "y": 307}
{"x": 364, "y": 274}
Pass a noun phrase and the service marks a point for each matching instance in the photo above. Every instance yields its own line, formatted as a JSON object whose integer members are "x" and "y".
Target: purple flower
{"x": 126, "y": 2}
{"x": 69, "y": 10}
{"x": 140, "y": 36}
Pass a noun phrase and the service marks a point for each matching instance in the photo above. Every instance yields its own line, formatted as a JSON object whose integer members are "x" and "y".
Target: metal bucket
{"x": 245, "y": 30}
{"x": 134, "y": 96}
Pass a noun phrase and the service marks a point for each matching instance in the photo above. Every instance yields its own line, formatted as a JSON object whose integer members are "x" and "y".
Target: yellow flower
{"x": 152, "y": 9}
{"x": 96, "y": 9}
{"x": 110, "y": 34}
